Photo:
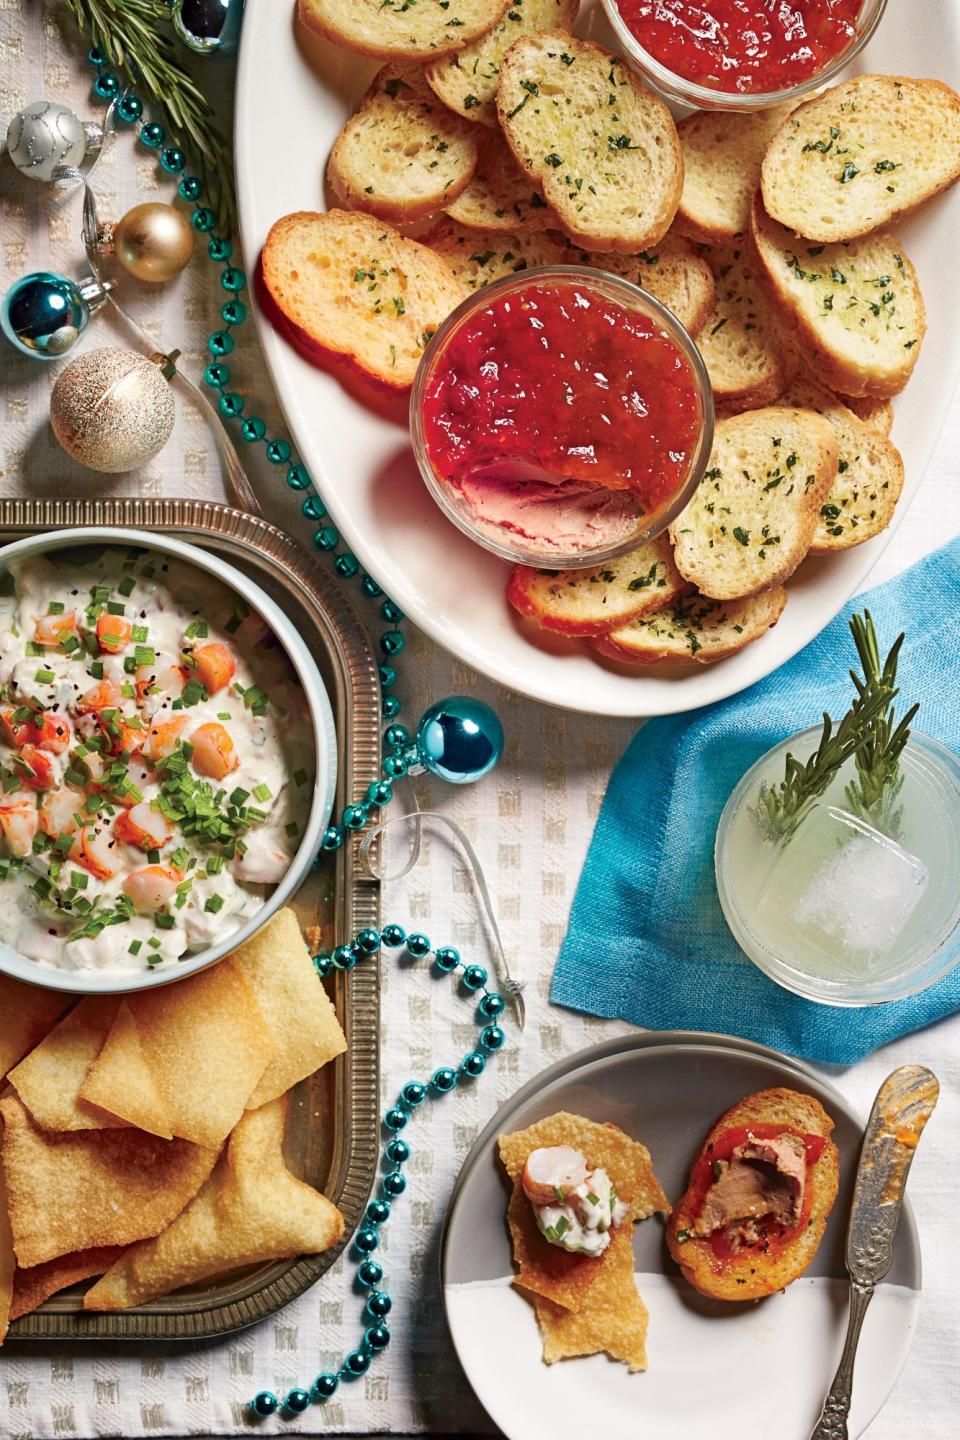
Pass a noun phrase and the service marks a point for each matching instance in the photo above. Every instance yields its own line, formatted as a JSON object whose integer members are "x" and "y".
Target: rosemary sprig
{"x": 874, "y": 792}
{"x": 780, "y": 808}
{"x": 134, "y": 36}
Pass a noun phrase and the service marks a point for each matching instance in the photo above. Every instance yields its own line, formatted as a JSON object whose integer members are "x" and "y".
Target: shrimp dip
{"x": 156, "y": 770}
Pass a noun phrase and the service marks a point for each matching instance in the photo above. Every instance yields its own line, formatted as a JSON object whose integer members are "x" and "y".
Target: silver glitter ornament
{"x": 43, "y": 136}
{"x": 112, "y": 409}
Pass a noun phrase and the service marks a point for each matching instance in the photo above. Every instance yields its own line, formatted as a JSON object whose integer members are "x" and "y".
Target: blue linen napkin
{"x": 647, "y": 940}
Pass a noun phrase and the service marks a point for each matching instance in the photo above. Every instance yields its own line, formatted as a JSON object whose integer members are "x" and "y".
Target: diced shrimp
{"x": 113, "y": 633}
{"x": 551, "y": 1173}
{"x": 162, "y": 677}
{"x": 261, "y": 864}
{"x": 213, "y": 752}
{"x": 162, "y": 739}
{"x": 97, "y": 852}
{"x": 105, "y": 695}
{"x": 152, "y": 886}
{"x": 53, "y": 732}
{"x": 142, "y": 826}
{"x": 121, "y": 738}
{"x": 53, "y": 630}
{"x": 18, "y": 822}
{"x": 215, "y": 666}
{"x": 17, "y": 732}
{"x": 33, "y": 768}
{"x": 58, "y": 813}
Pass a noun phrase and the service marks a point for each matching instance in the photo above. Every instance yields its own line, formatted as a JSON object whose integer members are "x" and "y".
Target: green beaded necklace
{"x": 396, "y": 738}
{"x": 128, "y": 108}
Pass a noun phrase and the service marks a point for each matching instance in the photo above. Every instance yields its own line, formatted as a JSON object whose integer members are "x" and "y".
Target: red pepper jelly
{"x": 559, "y": 414}
{"x": 743, "y": 46}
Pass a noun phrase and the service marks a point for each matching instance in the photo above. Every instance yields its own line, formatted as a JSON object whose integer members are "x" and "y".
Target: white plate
{"x": 293, "y": 95}
{"x": 719, "y": 1370}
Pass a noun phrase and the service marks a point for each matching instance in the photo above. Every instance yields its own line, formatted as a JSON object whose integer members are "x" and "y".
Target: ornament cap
{"x": 94, "y": 291}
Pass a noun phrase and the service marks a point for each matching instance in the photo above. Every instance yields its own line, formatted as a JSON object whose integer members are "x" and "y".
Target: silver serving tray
{"x": 332, "y": 1129}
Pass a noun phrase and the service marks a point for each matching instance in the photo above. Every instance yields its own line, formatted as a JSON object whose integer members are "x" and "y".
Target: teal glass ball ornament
{"x": 44, "y": 136}
{"x": 459, "y": 739}
{"x": 208, "y": 26}
{"x": 44, "y": 315}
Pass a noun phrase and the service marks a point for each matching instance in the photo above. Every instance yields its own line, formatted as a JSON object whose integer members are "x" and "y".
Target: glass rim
{"x": 670, "y": 85}
{"x": 624, "y": 291}
{"x": 921, "y": 976}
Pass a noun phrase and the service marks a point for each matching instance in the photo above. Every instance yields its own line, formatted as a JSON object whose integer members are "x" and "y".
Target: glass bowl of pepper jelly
{"x": 741, "y": 54}
{"x": 561, "y": 417}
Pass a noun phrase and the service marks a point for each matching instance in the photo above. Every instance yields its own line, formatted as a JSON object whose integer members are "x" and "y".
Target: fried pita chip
{"x": 250, "y": 1210}
{"x": 277, "y": 966}
{"x": 548, "y": 1270}
{"x": 121, "y": 1069}
{"x": 48, "y": 1080}
{"x": 205, "y": 1042}
{"x": 8, "y": 1263}
{"x": 74, "y": 1189}
{"x": 26, "y": 1014}
{"x": 614, "y": 1322}
{"x": 31, "y": 1287}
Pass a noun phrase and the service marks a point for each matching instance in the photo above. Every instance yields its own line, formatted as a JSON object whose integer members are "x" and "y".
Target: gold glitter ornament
{"x": 112, "y": 409}
{"x": 152, "y": 242}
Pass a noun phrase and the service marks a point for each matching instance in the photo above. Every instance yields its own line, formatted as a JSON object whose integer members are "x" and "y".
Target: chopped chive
{"x": 126, "y": 587}
{"x": 214, "y": 904}
{"x": 163, "y": 921}
{"x": 135, "y": 946}
{"x": 139, "y": 633}
{"x": 262, "y": 793}
{"x": 44, "y": 677}
{"x": 96, "y": 669}
{"x": 115, "y": 607}
{"x": 55, "y": 607}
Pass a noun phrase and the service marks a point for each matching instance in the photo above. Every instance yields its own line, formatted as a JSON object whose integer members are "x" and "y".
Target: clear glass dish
{"x": 840, "y": 913}
{"x": 685, "y": 92}
{"x": 495, "y": 537}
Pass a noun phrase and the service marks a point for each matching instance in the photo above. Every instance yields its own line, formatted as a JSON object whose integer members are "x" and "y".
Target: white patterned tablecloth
{"x": 531, "y": 823}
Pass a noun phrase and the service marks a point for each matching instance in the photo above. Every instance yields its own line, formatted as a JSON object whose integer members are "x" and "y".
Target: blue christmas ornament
{"x": 208, "y": 25}
{"x": 459, "y": 739}
{"x": 44, "y": 314}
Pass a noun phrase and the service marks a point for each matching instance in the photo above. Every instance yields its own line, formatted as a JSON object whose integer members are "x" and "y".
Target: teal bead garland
{"x": 326, "y": 538}
{"x": 396, "y": 1153}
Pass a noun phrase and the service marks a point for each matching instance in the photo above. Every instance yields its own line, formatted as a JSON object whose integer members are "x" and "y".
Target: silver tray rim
{"x": 356, "y": 704}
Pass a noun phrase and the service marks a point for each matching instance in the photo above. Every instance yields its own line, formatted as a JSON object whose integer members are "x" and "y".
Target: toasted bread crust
{"x": 751, "y": 1275}
{"x": 722, "y": 155}
{"x": 403, "y": 155}
{"x": 316, "y": 268}
{"x": 593, "y": 602}
{"x": 613, "y": 184}
{"x": 693, "y": 630}
{"x": 387, "y": 32}
{"x": 742, "y": 342}
{"x": 850, "y": 362}
{"x": 861, "y": 155}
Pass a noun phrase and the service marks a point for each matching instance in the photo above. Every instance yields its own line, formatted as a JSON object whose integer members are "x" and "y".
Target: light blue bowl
{"x": 94, "y": 982}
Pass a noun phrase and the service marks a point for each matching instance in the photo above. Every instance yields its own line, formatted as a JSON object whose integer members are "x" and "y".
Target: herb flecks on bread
{"x": 403, "y": 155}
{"x": 355, "y": 288}
{"x": 603, "y": 149}
{"x": 855, "y": 308}
{"x": 861, "y": 155}
{"x": 753, "y": 516}
{"x": 693, "y": 628}
{"x": 403, "y": 30}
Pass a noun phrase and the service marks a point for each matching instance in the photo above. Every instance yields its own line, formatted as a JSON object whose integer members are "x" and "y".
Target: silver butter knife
{"x": 904, "y": 1104}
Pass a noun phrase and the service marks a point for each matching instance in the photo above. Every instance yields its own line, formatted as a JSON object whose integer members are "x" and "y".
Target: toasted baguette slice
{"x": 403, "y": 155}
{"x": 752, "y": 1272}
{"x": 864, "y": 495}
{"x": 478, "y": 257}
{"x": 671, "y": 271}
{"x": 695, "y": 629}
{"x": 467, "y": 81}
{"x": 500, "y": 196}
{"x": 352, "y": 287}
{"x": 603, "y": 149}
{"x": 877, "y": 415}
{"x": 394, "y": 30}
{"x": 861, "y": 155}
{"x": 754, "y": 514}
{"x": 741, "y": 341}
{"x": 722, "y": 155}
{"x": 856, "y": 309}
{"x": 591, "y": 602}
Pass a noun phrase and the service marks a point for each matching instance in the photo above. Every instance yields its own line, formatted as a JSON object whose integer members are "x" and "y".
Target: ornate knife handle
{"x": 832, "y": 1424}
